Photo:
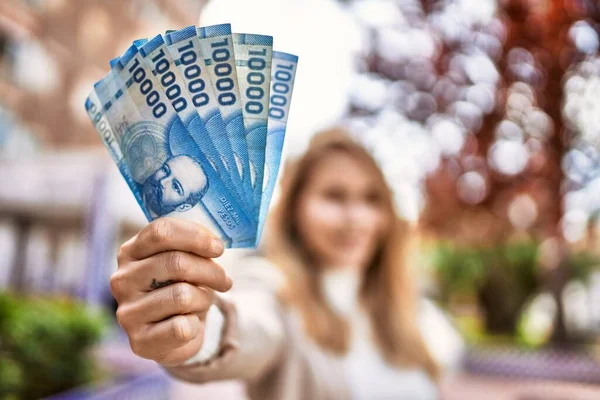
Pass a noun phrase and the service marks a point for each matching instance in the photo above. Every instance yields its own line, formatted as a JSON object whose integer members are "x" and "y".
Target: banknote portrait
{"x": 178, "y": 185}
{"x": 164, "y": 164}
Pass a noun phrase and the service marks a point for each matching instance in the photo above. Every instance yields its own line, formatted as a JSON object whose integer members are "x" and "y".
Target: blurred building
{"x": 53, "y": 51}
{"x": 63, "y": 205}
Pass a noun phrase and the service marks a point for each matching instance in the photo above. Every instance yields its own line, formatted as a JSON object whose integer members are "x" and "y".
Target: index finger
{"x": 171, "y": 234}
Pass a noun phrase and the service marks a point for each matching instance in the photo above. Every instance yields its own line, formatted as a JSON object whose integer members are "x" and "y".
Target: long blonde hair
{"x": 388, "y": 292}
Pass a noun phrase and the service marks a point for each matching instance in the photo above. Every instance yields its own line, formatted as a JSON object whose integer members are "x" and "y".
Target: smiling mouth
{"x": 350, "y": 241}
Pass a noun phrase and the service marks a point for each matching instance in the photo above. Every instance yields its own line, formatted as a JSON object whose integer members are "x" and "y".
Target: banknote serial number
{"x": 168, "y": 80}
{"x": 280, "y": 91}
{"x": 223, "y": 70}
{"x": 95, "y": 113}
{"x": 255, "y": 93}
{"x": 146, "y": 87}
{"x": 192, "y": 72}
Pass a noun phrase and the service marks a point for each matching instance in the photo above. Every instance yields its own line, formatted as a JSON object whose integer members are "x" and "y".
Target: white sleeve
{"x": 213, "y": 330}
{"x": 441, "y": 337}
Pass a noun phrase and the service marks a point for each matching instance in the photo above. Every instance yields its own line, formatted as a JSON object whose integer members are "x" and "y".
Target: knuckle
{"x": 161, "y": 358}
{"x": 164, "y": 357}
{"x": 138, "y": 341}
{"x": 124, "y": 253}
{"x": 125, "y": 317}
{"x": 161, "y": 230}
{"x": 182, "y": 296}
{"x": 117, "y": 283}
{"x": 121, "y": 315}
{"x": 176, "y": 267}
{"x": 137, "y": 346}
{"x": 121, "y": 255}
{"x": 182, "y": 329}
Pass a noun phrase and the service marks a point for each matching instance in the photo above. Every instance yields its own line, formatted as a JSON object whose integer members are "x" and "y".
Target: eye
{"x": 177, "y": 188}
{"x": 166, "y": 170}
{"x": 373, "y": 198}
{"x": 334, "y": 194}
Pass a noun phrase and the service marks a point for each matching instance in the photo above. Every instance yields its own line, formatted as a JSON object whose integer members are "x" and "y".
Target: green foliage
{"x": 44, "y": 345}
{"x": 458, "y": 269}
{"x": 500, "y": 278}
{"x": 466, "y": 269}
{"x": 583, "y": 263}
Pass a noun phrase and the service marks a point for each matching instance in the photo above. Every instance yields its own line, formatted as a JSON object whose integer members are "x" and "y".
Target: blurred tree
{"x": 485, "y": 81}
{"x": 537, "y": 53}
{"x": 536, "y": 40}
{"x": 487, "y": 273}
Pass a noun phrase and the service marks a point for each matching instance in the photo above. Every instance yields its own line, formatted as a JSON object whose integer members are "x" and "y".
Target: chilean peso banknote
{"x": 253, "y": 55}
{"x": 158, "y": 58}
{"x": 216, "y": 46}
{"x": 195, "y": 120}
{"x": 172, "y": 174}
{"x": 283, "y": 75}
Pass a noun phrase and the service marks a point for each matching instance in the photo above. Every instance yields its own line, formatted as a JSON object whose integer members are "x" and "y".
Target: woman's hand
{"x": 164, "y": 287}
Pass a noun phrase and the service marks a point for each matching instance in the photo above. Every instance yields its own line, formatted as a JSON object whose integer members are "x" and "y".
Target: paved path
{"x": 472, "y": 387}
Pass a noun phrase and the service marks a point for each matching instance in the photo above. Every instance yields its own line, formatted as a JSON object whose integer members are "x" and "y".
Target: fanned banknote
{"x": 95, "y": 110}
{"x": 195, "y": 121}
{"x": 216, "y": 46}
{"x": 174, "y": 174}
{"x": 283, "y": 76}
{"x": 253, "y": 55}
{"x": 158, "y": 58}
{"x": 184, "y": 46}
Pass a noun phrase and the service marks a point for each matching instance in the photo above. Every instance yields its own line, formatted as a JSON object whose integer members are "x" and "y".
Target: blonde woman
{"x": 330, "y": 312}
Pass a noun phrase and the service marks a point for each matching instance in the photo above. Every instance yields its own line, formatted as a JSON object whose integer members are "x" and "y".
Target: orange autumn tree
{"x": 484, "y": 80}
{"x": 536, "y": 55}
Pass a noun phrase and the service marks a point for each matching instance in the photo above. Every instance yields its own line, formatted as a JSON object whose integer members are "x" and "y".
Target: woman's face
{"x": 341, "y": 214}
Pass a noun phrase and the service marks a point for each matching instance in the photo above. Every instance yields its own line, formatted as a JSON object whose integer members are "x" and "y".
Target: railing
{"x": 558, "y": 365}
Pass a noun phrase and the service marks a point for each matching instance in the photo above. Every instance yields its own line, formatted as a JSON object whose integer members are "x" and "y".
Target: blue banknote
{"x": 173, "y": 175}
{"x": 184, "y": 46}
{"x": 216, "y": 46}
{"x": 253, "y": 55}
{"x": 283, "y": 75}
{"x": 104, "y": 127}
{"x": 137, "y": 43}
{"x": 158, "y": 58}
{"x": 140, "y": 42}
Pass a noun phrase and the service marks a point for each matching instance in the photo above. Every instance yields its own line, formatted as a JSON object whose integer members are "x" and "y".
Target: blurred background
{"x": 483, "y": 114}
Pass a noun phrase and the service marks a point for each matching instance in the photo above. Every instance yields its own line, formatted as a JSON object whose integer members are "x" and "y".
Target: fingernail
{"x": 216, "y": 246}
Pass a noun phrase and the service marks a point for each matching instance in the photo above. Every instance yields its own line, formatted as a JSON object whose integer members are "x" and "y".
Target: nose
{"x": 160, "y": 174}
{"x": 355, "y": 213}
